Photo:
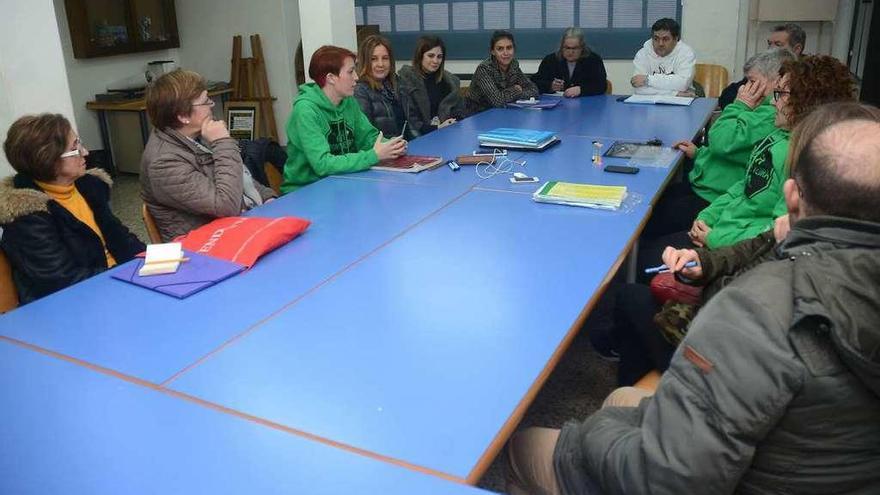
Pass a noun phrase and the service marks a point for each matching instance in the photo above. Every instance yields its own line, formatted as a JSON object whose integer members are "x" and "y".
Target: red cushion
{"x": 665, "y": 287}
{"x": 243, "y": 239}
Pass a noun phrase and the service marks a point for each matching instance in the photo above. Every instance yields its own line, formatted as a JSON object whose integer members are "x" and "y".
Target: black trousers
{"x": 675, "y": 211}
{"x": 641, "y": 346}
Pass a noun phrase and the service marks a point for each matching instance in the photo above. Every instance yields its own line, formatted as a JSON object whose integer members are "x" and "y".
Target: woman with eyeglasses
{"x": 573, "y": 70}
{"x": 431, "y": 91}
{"x": 191, "y": 169}
{"x": 498, "y": 80}
{"x": 55, "y": 215}
{"x": 750, "y": 205}
{"x": 378, "y": 92}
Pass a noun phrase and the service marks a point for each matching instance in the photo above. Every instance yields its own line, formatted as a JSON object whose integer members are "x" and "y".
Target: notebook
{"x": 161, "y": 258}
{"x": 586, "y": 195}
{"x": 198, "y": 273}
{"x": 525, "y": 139}
{"x": 409, "y": 163}
{"x": 660, "y": 100}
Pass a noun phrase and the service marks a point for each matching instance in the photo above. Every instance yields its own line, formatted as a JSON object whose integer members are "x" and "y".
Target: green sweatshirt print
{"x": 325, "y": 139}
{"x": 722, "y": 163}
{"x": 749, "y": 206}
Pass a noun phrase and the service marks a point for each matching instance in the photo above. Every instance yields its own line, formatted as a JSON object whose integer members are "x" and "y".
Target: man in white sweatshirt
{"x": 665, "y": 65}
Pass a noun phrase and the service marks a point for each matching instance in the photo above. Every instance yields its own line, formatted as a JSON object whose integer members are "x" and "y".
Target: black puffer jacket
{"x": 48, "y": 248}
{"x": 385, "y": 113}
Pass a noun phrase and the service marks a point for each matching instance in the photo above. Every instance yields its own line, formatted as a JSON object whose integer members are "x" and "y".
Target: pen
{"x": 664, "y": 268}
{"x": 156, "y": 262}
{"x": 403, "y": 130}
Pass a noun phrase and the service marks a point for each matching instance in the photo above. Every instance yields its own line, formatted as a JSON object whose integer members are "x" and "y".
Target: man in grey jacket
{"x": 776, "y": 387}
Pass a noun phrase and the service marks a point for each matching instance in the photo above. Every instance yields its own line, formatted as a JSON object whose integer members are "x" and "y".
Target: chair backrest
{"x": 608, "y": 87}
{"x": 150, "y": 224}
{"x": 8, "y": 292}
{"x": 713, "y": 78}
{"x": 273, "y": 176}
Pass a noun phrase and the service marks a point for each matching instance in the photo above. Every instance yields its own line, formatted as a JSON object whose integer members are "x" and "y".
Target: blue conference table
{"x": 67, "y": 429}
{"x": 415, "y": 320}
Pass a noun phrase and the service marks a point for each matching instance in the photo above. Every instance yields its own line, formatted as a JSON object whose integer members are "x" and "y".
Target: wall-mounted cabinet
{"x": 99, "y": 28}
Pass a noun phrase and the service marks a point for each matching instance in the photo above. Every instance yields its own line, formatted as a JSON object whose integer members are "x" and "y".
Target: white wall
{"x": 329, "y": 22}
{"x": 206, "y": 30}
{"x": 89, "y": 76}
{"x": 32, "y": 73}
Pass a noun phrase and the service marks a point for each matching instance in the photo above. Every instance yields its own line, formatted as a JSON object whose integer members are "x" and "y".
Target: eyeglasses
{"x": 572, "y": 48}
{"x": 209, "y": 103}
{"x": 77, "y": 152}
{"x": 778, "y": 93}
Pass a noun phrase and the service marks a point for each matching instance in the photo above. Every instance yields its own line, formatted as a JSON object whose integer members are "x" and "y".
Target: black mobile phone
{"x": 621, "y": 169}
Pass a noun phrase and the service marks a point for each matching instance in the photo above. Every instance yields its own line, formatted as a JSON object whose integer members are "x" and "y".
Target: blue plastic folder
{"x": 200, "y": 272}
{"x": 516, "y": 136}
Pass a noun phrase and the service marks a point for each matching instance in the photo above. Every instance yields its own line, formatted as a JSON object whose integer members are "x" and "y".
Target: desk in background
{"x": 138, "y": 106}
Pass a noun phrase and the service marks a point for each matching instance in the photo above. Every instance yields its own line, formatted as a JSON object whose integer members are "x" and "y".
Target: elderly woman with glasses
{"x": 191, "y": 169}
{"x": 55, "y": 215}
{"x": 573, "y": 70}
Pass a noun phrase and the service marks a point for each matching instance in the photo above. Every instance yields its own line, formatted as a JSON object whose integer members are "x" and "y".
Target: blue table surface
{"x": 69, "y": 430}
{"x": 152, "y": 336}
{"x": 571, "y": 161}
{"x": 434, "y": 340}
{"x": 411, "y": 320}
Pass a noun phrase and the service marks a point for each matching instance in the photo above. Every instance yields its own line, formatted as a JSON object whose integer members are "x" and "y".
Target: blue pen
{"x": 664, "y": 268}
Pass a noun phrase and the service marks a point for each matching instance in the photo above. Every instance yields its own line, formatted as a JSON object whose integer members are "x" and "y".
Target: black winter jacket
{"x": 50, "y": 249}
{"x": 382, "y": 111}
{"x": 589, "y": 74}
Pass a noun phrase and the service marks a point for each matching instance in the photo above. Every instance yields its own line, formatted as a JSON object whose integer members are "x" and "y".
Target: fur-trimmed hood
{"x": 20, "y": 196}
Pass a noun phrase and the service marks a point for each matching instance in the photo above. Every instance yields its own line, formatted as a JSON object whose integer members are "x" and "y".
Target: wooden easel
{"x": 250, "y": 83}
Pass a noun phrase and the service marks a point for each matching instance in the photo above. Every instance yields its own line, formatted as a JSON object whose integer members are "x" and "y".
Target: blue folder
{"x": 200, "y": 272}
{"x": 516, "y": 136}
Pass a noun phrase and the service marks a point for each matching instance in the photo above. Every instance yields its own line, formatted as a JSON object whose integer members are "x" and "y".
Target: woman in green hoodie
{"x": 327, "y": 133}
{"x": 750, "y": 205}
{"x": 722, "y": 162}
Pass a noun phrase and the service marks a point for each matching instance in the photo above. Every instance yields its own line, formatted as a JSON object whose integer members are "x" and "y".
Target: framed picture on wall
{"x": 243, "y": 119}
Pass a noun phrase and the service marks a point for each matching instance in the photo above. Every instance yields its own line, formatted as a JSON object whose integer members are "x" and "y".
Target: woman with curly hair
{"x": 750, "y": 205}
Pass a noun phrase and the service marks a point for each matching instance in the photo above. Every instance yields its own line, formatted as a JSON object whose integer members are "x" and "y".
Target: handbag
{"x": 243, "y": 240}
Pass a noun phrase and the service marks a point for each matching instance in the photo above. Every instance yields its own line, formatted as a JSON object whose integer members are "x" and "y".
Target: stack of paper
{"x": 587, "y": 195}
{"x": 545, "y": 102}
{"x": 505, "y": 137}
{"x": 162, "y": 258}
{"x": 659, "y": 100}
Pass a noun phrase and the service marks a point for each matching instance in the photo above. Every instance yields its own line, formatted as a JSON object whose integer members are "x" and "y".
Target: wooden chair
{"x": 274, "y": 177}
{"x": 713, "y": 78}
{"x": 608, "y": 87}
{"x": 150, "y": 224}
{"x": 8, "y": 292}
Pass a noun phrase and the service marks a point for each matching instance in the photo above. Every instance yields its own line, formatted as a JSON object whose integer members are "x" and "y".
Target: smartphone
{"x": 523, "y": 180}
{"x": 621, "y": 169}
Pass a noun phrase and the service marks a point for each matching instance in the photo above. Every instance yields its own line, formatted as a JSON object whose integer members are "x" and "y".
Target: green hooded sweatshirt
{"x": 750, "y": 206}
{"x": 731, "y": 139}
{"x": 325, "y": 139}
